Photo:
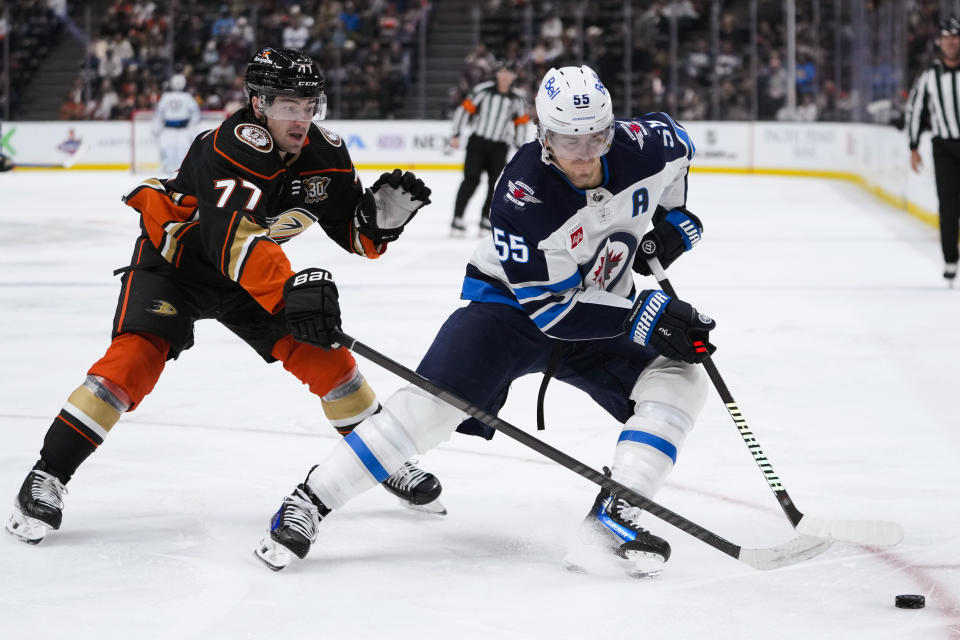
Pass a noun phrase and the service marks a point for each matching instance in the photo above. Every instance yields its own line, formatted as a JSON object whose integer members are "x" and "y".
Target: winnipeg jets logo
{"x": 255, "y": 136}
{"x": 520, "y": 194}
{"x": 609, "y": 265}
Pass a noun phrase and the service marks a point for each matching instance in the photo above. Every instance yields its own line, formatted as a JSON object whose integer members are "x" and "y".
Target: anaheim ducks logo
{"x": 163, "y": 308}
{"x": 289, "y": 224}
{"x": 331, "y": 137}
{"x": 255, "y": 136}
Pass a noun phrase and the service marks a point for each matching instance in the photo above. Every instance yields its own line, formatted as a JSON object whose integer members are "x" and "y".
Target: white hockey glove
{"x": 386, "y": 207}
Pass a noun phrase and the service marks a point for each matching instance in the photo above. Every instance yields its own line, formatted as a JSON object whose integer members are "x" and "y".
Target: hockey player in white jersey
{"x": 175, "y": 122}
{"x": 551, "y": 288}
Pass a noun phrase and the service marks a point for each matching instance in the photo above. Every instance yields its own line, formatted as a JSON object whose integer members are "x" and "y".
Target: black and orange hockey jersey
{"x": 235, "y": 201}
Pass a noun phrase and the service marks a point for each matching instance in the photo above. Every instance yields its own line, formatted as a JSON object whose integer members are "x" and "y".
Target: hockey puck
{"x": 910, "y": 601}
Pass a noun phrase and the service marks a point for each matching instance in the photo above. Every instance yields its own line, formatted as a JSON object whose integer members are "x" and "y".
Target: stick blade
{"x": 876, "y": 533}
{"x": 791, "y": 552}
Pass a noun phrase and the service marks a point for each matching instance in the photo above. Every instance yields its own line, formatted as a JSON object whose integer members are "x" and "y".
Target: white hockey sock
{"x": 411, "y": 422}
{"x": 648, "y": 446}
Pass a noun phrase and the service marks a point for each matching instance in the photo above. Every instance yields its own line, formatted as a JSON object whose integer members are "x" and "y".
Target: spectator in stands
{"x": 107, "y": 102}
{"x": 223, "y": 25}
{"x": 221, "y": 74}
{"x": 110, "y": 66}
{"x": 296, "y": 34}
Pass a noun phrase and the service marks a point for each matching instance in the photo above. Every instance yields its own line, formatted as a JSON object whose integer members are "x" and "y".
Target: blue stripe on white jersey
{"x": 535, "y": 292}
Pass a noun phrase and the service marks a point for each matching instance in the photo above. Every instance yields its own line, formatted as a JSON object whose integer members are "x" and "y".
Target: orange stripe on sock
{"x": 69, "y": 424}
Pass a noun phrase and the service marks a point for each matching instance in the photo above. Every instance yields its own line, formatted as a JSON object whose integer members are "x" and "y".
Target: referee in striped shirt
{"x": 497, "y": 114}
{"x": 934, "y": 103}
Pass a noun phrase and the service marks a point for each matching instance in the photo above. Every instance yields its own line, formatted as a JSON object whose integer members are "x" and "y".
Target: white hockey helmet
{"x": 177, "y": 82}
{"x": 575, "y": 114}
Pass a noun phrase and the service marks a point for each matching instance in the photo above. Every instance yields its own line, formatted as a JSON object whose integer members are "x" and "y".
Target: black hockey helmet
{"x": 949, "y": 27}
{"x": 286, "y": 72}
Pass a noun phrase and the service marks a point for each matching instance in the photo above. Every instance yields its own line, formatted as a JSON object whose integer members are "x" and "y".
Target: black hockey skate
{"x": 38, "y": 507}
{"x": 611, "y": 541}
{"x": 417, "y": 489}
{"x": 293, "y": 528}
{"x": 457, "y": 228}
{"x": 950, "y": 273}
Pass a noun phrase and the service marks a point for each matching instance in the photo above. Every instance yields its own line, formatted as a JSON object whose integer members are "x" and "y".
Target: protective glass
{"x": 584, "y": 146}
{"x": 291, "y": 108}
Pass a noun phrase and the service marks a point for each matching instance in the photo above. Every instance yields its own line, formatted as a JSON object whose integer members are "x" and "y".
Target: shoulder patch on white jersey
{"x": 576, "y": 235}
{"x": 635, "y": 131}
{"x": 255, "y": 136}
{"x": 520, "y": 194}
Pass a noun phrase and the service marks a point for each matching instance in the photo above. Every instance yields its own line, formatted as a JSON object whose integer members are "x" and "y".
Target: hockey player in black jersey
{"x": 211, "y": 247}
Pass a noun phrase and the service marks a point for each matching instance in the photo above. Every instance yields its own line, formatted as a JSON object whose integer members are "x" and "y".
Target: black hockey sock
{"x": 65, "y": 447}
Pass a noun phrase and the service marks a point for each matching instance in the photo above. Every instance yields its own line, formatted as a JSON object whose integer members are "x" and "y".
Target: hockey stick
{"x": 791, "y": 552}
{"x": 870, "y": 532}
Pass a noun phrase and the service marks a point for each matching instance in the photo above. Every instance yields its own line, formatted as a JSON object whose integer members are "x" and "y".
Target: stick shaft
{"x": 766, "y": 467}
{"x": 504, "y": 427}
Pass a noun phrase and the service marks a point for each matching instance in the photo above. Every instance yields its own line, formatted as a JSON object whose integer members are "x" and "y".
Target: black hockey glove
{"x": 313, "y": 307}
{"x": 386, "y": 207}
{"x": 673, "y": 232}
{"x": 672, "y": 327}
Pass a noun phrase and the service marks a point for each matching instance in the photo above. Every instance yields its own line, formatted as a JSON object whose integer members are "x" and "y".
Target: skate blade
{"x": 616, "y": 568}
{"x": 604, "y": 562}
{"x": 25, "y": 528}
{"x": 434, "y": 508}
{"x": 645, "y": 565}
{"x": 274, "y": 555}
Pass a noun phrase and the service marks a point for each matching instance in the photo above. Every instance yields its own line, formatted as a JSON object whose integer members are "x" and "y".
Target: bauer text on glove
{"x": 312, "y": 307}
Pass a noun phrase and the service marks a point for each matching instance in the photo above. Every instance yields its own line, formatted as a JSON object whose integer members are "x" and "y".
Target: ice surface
{"x": 837, "y": 337}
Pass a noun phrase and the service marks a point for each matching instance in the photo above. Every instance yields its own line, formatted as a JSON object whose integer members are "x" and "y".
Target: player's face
{"x": 582, "y": 173}
{"x": 578, "y": 156}
{"x": 289, "y": 119}
{"x": 587, "y": 146}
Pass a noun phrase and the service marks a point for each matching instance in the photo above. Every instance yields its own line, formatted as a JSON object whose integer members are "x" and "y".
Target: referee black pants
{"x": 946, "y": 167}
{"x": 482, "y": 156}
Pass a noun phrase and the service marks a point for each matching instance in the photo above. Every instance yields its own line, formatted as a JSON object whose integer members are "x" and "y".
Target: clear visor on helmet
{"x": 584, "y": 146}
{"x": 294, "y": 108}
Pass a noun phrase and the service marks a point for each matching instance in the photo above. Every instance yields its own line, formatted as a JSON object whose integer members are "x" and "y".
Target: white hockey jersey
{"x": 177, "y": 110}
{"x": 563, "y": 254}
